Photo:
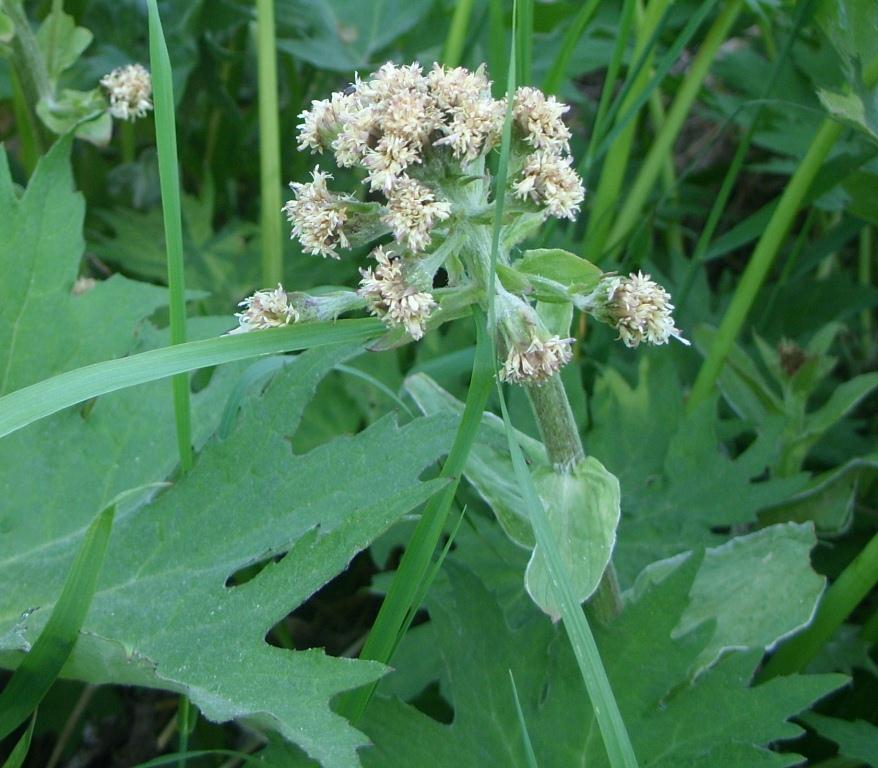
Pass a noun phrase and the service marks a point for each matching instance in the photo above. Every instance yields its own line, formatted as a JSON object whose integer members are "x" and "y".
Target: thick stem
{"x": 560, "y": 435}
{"x": 555, "y": 420}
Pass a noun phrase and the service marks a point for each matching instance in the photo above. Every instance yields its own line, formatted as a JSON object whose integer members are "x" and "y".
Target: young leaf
{"x": 857, "y": 739}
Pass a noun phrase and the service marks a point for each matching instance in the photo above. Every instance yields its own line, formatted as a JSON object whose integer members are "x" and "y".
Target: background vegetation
{"x": 181, "y": 587}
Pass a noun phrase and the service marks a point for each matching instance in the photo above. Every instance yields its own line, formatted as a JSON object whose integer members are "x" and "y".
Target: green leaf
{"x": 344, "y": 35}
{"x": 758, "y": 589}
{"x": 678, "y": 484}
{"x": 61, "y": 42}
{"x": 38, "y": 670}
{"x": 248, "y": 500}
{"x": 84, "y": 112}
{"x": 561, "y": 266}
{"x": 828, "y": 500}
{"x": 583, "y": 509}
{"x": 649, "y": 668}
{"x": 19, "y": 752}
{"x": 857, "y": 739}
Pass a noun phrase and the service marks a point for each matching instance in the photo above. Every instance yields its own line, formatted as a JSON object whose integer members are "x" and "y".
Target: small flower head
{"x": 318, "y": 216}
{"x": 550, "y": 182}
{"x": 391, "y": 298}
{"x": 639, "y": 309}
{"x": 322, "y": 123}
{"x": 541, "y": 120}
{"x": 265, "y": 309}
{"x": 130, "y": 91}
{"x": 536, "y": 363}
{"x": 412, "y": 211}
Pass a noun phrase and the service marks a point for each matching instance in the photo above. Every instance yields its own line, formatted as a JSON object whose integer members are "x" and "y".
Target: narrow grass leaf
{"x": 524, "y": 31}
{"x": 269, "y": 145}
{"x": 27, "y": 405}
{"x": 414, "y": 567}
{"x": 553, "y": 78}
{"x": 606, "y": 710}
{"x": 682, "y": 104}
{"x": 41, "y": 666}
{"x": 169, "y": 182}
{"x": 22, "y": 746}
{"x": 525, "y": 736}
{"x": 854, "y": 583}
{"x": 454, "y": 43}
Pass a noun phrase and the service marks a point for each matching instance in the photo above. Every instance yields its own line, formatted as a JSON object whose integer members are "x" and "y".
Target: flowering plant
{"x": 421, "y": 141}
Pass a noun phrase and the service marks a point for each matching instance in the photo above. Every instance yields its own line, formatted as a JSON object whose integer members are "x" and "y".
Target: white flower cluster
{"x": 546, "y": 178}
{"x": 392, "y": 298}
{"x": 265, "y": 309}
{"x": 130, "y": 90}
{"x": 318, "y": 216}
{"x": 537, "y": 362}
{"x": 639, "y": 309}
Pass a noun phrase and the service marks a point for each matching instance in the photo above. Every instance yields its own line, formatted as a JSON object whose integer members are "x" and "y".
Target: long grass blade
{"x": 553, "y": 78}
{"x": 522, "y": 724}
{"x": 456, "y": 39}
{"x": 606, "y": 710}
{"x": 27, "y": 405}
{"x": 169, "y": 181}
{"x": 854, "y": 583}
{"x": 663, "y": 143}
{"x": 22, "y": 746}
{"x": 414, "y": 567}
{"x": 41, "y": 666}
{"x": 269, "y": 145}
{"x": 524, "y": 31}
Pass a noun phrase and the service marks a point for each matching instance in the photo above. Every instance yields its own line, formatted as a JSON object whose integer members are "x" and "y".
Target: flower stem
{"x": 560, "y": 435}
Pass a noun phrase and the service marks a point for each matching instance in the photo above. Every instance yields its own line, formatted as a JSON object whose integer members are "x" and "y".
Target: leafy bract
{"x": 718, "y": 720}
{"x": 162, "y": 615}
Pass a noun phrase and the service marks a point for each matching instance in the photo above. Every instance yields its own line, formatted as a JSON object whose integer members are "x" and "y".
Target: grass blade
{"x": 29, "y": 404}
{"x": 41, "y": 666}
{"x": 169, "y": 181}
{"x": 19, "y": 751}
{"x": 456, "y": 39}
{"x": 606, "y": 710}
{"x": 269, "y": 145}
{"x": 854, "y": 583}
{"x": 553, "y": 78}
{"x": 414, "y": 567}
{"x": 663, "y": 143}
{"x": 496, "y": 44}
{"x": 525, "y": 736}
{"x": 524, "y": 32}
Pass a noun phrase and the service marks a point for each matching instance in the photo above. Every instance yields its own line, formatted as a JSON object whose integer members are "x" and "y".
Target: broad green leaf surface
{"x": 856, "y": 739}
{"x": 61, "y": 41}
{"x": 678, "y": 486}
{"x": 757, "y": 589}
{"x": 717, "y": 721}
{"x": 582, "y": 508}
{"x": 164, "y": 616}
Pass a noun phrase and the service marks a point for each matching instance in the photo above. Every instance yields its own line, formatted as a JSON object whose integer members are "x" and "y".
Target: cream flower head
{"x": 130, "y": 91}
{"x": 265, "y": 309}
{"x": 639, "y": 309}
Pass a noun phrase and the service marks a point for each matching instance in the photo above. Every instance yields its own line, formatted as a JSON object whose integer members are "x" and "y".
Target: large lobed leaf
{"x": 162, "y": 614}
{"x": 718, "y": 720}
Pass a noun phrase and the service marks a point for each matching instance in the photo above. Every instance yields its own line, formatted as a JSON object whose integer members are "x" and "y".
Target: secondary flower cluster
{"x": 420, "y": 140}
{"x": 129, "y": 89}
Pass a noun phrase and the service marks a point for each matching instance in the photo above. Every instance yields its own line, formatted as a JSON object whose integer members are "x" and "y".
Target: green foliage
{"x": 857, "y": 740}
{"x": 649, "y": 668}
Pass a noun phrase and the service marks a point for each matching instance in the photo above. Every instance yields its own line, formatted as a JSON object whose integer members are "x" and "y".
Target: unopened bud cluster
{"x": 129, "y": 90}
{"x": 419, "y": 140}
